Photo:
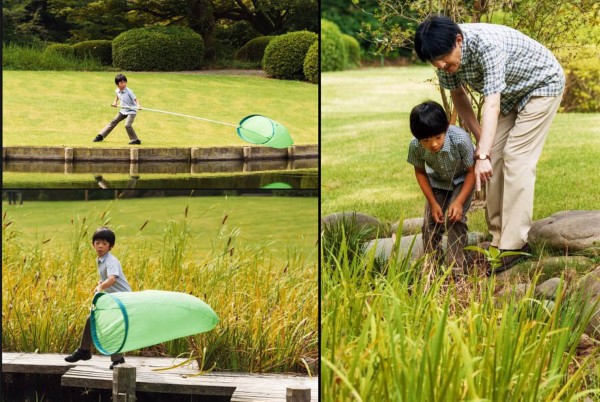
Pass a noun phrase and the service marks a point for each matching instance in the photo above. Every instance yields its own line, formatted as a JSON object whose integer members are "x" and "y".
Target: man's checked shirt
{"x": 499, "y": 59}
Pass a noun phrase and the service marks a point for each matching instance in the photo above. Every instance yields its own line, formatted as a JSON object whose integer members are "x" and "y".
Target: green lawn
{"x": 58, "y": 108}
{"x": 283, "y": 223}
{"x": 365, "y": 136}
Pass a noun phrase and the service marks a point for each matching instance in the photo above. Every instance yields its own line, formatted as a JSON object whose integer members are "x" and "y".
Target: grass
{"x": 365, "y": 136}
{"x": 251, "y": 259}
{"x": 67, "y": 108}
{"x": 33, "y": 58}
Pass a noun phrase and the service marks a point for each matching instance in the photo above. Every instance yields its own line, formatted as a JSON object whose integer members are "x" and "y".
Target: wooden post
{"x": 124, "y": 383}
{"x": 297, "y": 395}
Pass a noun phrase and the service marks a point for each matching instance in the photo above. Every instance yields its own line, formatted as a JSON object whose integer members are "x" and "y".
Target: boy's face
{"x": 450, "y": 62}
{"x": 102, "y": 247}
{"x": 435, "y": 143}
{"x": 122, "y": 85}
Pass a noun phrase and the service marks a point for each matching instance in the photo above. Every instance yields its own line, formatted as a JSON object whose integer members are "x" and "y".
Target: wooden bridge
{"x": 95, "y": 373}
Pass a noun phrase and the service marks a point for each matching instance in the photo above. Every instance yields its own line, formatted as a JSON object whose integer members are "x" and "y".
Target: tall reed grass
{"x": 414, "y": 334}
{"x": 267, "y": 304}
{"x": 16, "y": 57}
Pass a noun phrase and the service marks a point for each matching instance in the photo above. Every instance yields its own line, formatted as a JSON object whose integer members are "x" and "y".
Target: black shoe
{"x": 512, "y": 260}
{"x": 98, "y": 138}
{"x": 79, "y": 355}
{"x": 117, "y": 362}
{"x": 135, "y": 142}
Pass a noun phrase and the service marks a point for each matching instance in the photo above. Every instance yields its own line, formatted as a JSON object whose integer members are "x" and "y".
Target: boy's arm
{"x": 455, "y": 210}
{"x": 423, "y": 180}
{"x": 106, "y": 284}
{"x": 114, "y": 104}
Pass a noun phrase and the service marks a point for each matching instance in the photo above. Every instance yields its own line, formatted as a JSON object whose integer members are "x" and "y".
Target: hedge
{"x": 334, "y": 56}
{"x": 158, "y": 48}
{"x": 97, "y": 49}
{"x": 254, "y": 50}
{"x": 311, "y": 63}
{"x": 284, "y": 56}
{"x": 60, "y": 48}
{"x": 582, "y": 89}
{"x": 352, "y": 50}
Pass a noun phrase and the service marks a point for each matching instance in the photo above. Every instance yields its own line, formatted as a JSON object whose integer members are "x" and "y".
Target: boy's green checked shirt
{"x": 499, "y": 59}
{"x": 447, "y": 167}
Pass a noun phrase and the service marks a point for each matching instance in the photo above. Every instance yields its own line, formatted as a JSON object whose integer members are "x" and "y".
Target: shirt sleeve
{"x": 493, "y": 64}
{"x": 448, "y": 81}
{"x": 133, "y": 98}
{"x": 113, "y": 267}
{"x": 415, "y": 155}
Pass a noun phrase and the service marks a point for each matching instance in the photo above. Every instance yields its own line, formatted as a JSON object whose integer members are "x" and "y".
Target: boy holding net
{"x": 112, "y": 279}
{"x": 444, "y": 167}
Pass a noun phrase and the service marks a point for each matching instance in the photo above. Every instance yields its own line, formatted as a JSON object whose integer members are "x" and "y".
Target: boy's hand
{"x": 114, "y": 105}
{"x": 455, "y": 211}
{"x": 437, "y": 214}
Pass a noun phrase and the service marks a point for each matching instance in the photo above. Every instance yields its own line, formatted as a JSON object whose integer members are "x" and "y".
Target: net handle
{"x": 179, "y": 114}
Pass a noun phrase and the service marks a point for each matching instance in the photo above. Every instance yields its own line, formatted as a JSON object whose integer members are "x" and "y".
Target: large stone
{"x": 589, "y": 288}
{"x": 362, "y": 221}
{"x": 568, "y": 231}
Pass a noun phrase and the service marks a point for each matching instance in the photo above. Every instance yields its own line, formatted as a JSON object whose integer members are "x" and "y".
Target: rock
{"x": 517, "y": 291}
{"x": 362, "y": 221}
{"x": 568, "y": 231}
{"x": 412, "y": 226}
{"x": 547, "y": 289}
{"x": 550, "y": 267}
{"x": 589, "y": 288}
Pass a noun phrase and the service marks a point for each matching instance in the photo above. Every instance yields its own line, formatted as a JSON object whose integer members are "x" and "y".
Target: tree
{"x": 30, "y": 21}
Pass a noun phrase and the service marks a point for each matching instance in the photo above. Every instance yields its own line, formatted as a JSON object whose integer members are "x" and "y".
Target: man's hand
{"x": 483, "y": 173}
{"x": 455, "y": 211}
{"x": 437, "y": 214}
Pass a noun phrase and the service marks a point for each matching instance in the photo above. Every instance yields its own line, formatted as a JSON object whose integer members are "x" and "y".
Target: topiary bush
{"x": 582, "y": 88}
{"x": 334, "y": 56}
{"x": 352, "y": 50}
{"x": 158, "y": 49}
{"x": 311, "y": 63}
{"x": 61, "y": 49}
{"x": 284, "y": 56}
{"x": 254, "y": 50}
{"x": 97, "y": 49}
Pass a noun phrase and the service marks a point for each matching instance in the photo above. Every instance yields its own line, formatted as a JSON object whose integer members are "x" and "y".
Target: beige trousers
{"x": 516, "y": 150}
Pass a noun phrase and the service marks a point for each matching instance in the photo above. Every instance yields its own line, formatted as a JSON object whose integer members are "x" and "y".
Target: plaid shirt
{"x": 499, "y": 59}
{"x": 447, "y": 167}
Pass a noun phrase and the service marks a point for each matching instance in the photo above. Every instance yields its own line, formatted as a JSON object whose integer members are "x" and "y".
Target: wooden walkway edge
{"x": 95, "y": 373}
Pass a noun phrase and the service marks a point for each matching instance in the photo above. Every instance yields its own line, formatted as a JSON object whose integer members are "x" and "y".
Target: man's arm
{"x": 423, "y": 180}
{"x": 461, "y": 102}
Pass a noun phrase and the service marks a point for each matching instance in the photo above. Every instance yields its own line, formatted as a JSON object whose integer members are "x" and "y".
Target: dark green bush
{"x": 97, "y": 49}
{"x": 254, "y": 50}
{"x": 311, "y": 63}
{"x": 236, "y": 34}
{"x": 284, "y": 56}
{"x": 352, "y": 50}
{"x": 158, "y": 49}
{"x": 582, "y": 89}
{"x": 61, "y": 49}
{"x": 334, "y": 56}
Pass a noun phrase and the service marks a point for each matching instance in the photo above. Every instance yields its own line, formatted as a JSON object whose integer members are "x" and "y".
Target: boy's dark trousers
{"x": 113, "y": 123}
{"x": 457, "y": 231}
{"x": 86, "y": 341}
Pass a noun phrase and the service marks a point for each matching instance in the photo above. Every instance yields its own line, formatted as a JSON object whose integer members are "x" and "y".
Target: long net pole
{"x": 179, "y": 114}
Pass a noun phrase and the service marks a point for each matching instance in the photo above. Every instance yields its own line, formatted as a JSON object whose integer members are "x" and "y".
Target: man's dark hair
{"x": 119, "y": 78}
{"x": 435, "y": 37}
{"x": 105, "y": 234}
{"x": 428, "y": 120}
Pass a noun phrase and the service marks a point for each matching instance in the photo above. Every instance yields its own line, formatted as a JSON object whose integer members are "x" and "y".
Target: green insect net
{"x": 258, "y": 129}
{"x": 126, "y": 321}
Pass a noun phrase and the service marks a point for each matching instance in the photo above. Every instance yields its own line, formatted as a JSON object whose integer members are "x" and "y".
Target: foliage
{"x": 30, "y": 22}
{"x": 494, "y": 256}
{"x": 30, "y": 58}
{"x": 311, "y": 63}
{"x": 158, "y": 49}
{"x": 284, "y": 56}
{"x": 352, "y": 49}
{"x": 582, "y": 89}
{"x": 254, "y": 50}
{"x": 350, "y": 16}
{"x": 98, "y": 49}
{"x": 236, "y": 34}
{"x": 61, "y": 49}
{"x": 334, "y": 55}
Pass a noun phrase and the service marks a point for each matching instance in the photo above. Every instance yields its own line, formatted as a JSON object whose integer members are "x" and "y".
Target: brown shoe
{"x": 511, "y": 260}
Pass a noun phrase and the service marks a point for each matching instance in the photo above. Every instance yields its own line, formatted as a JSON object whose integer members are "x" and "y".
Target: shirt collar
{"x": 105, "y": 256}
{"x": 464, "y": 54}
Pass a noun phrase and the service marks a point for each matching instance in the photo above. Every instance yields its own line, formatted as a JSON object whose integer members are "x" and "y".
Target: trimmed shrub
{"x": 311, "y": 63}
{"x": 284, "y": 56}
{"x": 96, "y": 49}
{"x": 352, "y": 50}
{"x": 254, "y": 50}
{"x": 158, "y": 49}
{"x": 334, "y": 56}
{"x": 582, "y": 89}
{"x": 61, "y": 49}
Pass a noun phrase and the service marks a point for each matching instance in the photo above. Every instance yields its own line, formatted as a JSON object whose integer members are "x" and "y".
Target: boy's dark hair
{"x": 436, "y": 37}
{"x": 428, "y": 120}
{"x": 105, "y": 234}
{"x": 119, "y": 78}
